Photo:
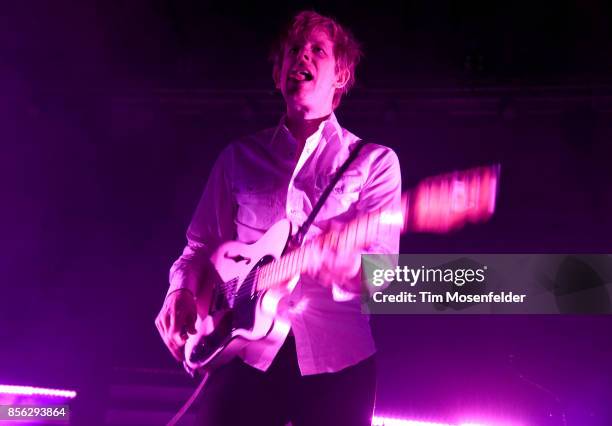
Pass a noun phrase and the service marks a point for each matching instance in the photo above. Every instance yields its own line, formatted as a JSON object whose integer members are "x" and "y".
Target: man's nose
{"x": 303, "y": 54}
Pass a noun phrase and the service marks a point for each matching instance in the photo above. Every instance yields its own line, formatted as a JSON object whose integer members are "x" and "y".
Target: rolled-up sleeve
{"x": 212, "y": 224}
{"x": 382, "y": 192}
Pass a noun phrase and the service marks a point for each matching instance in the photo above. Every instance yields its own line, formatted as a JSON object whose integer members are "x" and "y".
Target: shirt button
{"x": 291, "y": 303}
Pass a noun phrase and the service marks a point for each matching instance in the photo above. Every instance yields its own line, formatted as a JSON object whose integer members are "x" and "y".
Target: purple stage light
{"x": 396, "y": 421}
{"x": 31, "y": 391}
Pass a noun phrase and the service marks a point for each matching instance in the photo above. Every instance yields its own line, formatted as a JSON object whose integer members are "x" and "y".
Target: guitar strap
{"x": 298, "y": 238}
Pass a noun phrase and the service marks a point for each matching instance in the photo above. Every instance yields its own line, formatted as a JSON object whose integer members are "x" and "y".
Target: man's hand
{"x": 334, "y": 266}
{"x": 176, "y": 320}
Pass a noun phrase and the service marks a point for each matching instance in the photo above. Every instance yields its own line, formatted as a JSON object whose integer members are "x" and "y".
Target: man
{"x": 324, "y": 373}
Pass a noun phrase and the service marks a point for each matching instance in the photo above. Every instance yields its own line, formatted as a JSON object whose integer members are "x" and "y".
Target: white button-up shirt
{"x": 257, "y": 181}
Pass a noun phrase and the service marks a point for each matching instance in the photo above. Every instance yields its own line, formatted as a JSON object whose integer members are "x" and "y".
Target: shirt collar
{"x": 327, "y": 129}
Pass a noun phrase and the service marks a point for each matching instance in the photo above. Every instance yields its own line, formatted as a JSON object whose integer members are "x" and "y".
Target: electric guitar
{"x": 255, "y": 277}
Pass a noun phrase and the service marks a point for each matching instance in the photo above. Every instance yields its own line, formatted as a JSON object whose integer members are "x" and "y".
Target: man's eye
{"x": 317, "y": 49}
{"x": 293, "y": 49}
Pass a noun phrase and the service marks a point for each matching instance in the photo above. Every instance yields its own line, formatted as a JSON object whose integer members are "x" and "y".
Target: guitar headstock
{"x": 447, "y": 202}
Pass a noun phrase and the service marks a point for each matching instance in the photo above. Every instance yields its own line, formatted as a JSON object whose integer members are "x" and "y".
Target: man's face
{"x": 308, "y": 77}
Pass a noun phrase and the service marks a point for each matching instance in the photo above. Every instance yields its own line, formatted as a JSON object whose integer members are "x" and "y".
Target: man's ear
{"x": 342, "y": 78}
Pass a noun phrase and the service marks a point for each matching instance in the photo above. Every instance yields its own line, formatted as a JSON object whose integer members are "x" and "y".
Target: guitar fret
{"x": 327, "y": 240}
{"x": 256, "y": 276}
{"x": 269, "y": 280}
{"x": 297, "y": 265}
{"x": 300, "y": 257}
{"x": 282, "y": 266}
{"x": 291, "y": 262}
{"x": 281, "y": 271}
{"x": 361, "y": 240}
{"x": 351, "y": 237}
{"x": 261, "y": 277}
{"x": 299, "y": 260}
{"x": 275, "y": 272}
{"x": 266, "y": 277}
{"x": 287, "y": 266}
{"x": 303, "y": 257}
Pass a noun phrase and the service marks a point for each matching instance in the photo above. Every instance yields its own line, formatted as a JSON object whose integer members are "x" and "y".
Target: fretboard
{"x": 356, "y": 234}
{"x": 442, "y": 203}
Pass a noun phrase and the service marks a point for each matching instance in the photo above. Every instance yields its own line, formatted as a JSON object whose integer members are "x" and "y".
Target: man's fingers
{"x": 174, "y": 327}
{"x": 176, "y": 351}
{"x": 179, "y": 326}
{"x": 176, "y": 319}
{"x": 158, "y": 325}
{"x": 175, "y": 341}
{"x": 191, "y": 321}
{"x": 178, "y": 342}
{"x": 161, "y": 325}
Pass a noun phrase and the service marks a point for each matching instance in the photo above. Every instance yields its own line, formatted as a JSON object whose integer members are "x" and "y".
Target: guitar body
{"x": 240, "y": 314}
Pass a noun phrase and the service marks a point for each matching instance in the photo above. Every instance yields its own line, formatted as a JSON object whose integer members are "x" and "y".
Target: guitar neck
{"x": 356, "y": 234}
{"x": 437, "y": 204}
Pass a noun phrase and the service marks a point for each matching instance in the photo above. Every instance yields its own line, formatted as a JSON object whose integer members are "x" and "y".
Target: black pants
{"x": 238, "y": 394}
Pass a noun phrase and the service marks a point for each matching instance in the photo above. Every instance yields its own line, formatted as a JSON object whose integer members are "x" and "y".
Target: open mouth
{"x": 301, "y": 75}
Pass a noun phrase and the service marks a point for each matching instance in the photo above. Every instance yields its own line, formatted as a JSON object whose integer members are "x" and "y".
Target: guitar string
{"x": 280, "y": 269}
{"x": 277, "y": 269}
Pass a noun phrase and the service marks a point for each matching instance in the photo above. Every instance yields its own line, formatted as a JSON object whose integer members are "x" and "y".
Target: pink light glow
{"x": 392, "y": 421}
{"x": 30, "y": 390}
{"x": 447, "y": 202}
